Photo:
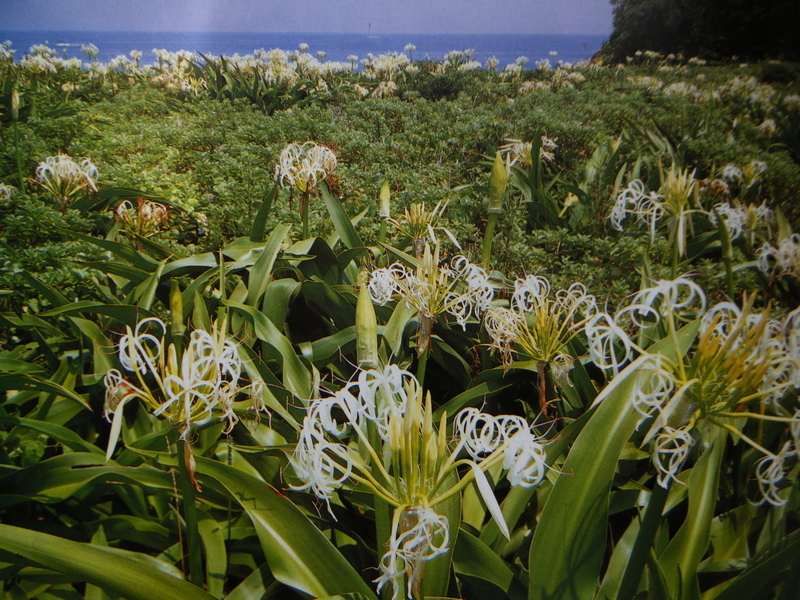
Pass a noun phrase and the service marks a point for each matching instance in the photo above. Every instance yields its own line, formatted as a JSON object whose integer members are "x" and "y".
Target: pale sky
{"x": 317, "y": 16}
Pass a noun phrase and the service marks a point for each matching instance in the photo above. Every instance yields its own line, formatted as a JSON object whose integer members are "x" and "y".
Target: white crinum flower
{"x": 770, "y": 472}
{"x": 189, "y": 390}
{"x": 671, "y": 451}
{"x": 63, "y": 177}
{"x": 410, "y": 464}
{"x": 418, "y": 535}
{"x": 462, "y": 288}
{"x": 304, "y": 165}
{"x": 636, "y": 200}
{"x": 786, "y": 256}
{"x": 539, "y": 323}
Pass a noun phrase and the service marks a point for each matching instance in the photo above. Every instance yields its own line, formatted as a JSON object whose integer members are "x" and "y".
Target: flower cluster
{"x": 145, "y": 219}
{"x": 378, "y": 433}
{"x": 63, "y": 178}
{"x": 741, "y": 358}
{"x": 190, "y": 389}
{"x": 462, "y": 288}
{"x": 541, "y": 324}
{"x": 303, "y": 166}
{"x": 522, "y": 152}
{"x": 785, "y": 255}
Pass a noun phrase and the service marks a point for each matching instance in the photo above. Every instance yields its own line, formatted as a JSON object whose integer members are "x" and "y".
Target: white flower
{"x": 609, "y": 345}
{"x": 189, "y": 390}
{"x": 671, "y": 451}
{"x": 770, "y": 471}
{"x": 304, "y": 165}
{"x": 731, "y": 172}
{"x": 524, "y": 459}
{"x": 418, "y": 535}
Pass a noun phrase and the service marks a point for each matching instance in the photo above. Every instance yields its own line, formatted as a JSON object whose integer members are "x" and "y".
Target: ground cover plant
{"x": 275, "y": 327}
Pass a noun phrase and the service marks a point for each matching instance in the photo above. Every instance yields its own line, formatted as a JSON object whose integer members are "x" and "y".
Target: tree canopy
{"x": 716, "y": 29}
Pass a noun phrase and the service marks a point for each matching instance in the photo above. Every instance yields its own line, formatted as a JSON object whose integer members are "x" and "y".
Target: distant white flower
{"x": 304, "y": 165}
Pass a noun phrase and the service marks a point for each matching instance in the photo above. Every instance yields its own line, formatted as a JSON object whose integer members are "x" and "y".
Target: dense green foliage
{"x": 542, "y": 340}
{"x": 712, "y": 29}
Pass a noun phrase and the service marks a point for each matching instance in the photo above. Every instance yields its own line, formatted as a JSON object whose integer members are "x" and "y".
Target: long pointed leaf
{"x": 120, "y": 575}
{"x": 296, "y": 551}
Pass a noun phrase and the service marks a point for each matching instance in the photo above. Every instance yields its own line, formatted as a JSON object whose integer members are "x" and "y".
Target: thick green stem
{"x": 488, "y": 240}
{"x": 422, "y": 366}
{"x": 727, "y": 256}
{"x": 187, "y": 485}
{"x": 304, "y": 213}
{"x": 674, "y": 255}
{"x": 20, "y": 174}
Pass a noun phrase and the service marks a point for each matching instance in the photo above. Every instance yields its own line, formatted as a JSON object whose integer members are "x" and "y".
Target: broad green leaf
{"x": 297, "y": 553}
{"x": 324, "y": 348}
{"x": 136, "y": 258}
{"x": 61, "y": 434}
{"x": 102, "y": 347}
{"x": 295, "y": 376}
{"x": 768, "y": 571}
{"x": 13, "y": 365}
{"x": 260, "y": 221}
{"x": 26, "y": 381}
{"x": 216, "y": 557}
{"x": 191, "y": 264}
{"x": 106, "y": 569}
{"x": 474, "y": 559}
{"x": 278, "y": 296}
{"x": 255, "y": 586}
{"x": 261, "y": 272}
{"x": 340, "y": 219}
{"x": 60, "y": 477}
{"x": 686, "y": 549}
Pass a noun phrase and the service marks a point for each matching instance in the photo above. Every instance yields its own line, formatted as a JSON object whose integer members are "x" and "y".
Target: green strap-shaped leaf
{"x": 117, "y": 574}
{"x": 567, "y": 548}
{"x": 137, "y": 259}
{"x": 25, "y": 381}
{"x": 568, "y": 545}
{"x": 296, "y": 377}
{"x": 260, "y": 273}
{"x": 61, "y": 434}
{"x": 472, "y": 559}
{"x": 216, "y": 557}
{"x": 260, "y": 221}
{"x": 684, "y": 552}
{"x": 340, "y": 219}
{"x": 297, "y": 553}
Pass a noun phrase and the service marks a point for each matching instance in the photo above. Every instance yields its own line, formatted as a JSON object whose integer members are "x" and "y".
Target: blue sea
{"x": 337, "y": 46}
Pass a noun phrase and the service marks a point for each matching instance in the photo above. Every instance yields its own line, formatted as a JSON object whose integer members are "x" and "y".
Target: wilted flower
{"x": 768, "y": 127}
{"x": 144, "y": 220}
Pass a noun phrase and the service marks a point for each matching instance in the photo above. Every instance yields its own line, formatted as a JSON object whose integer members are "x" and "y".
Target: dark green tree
{"x": 715, "y": 29}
